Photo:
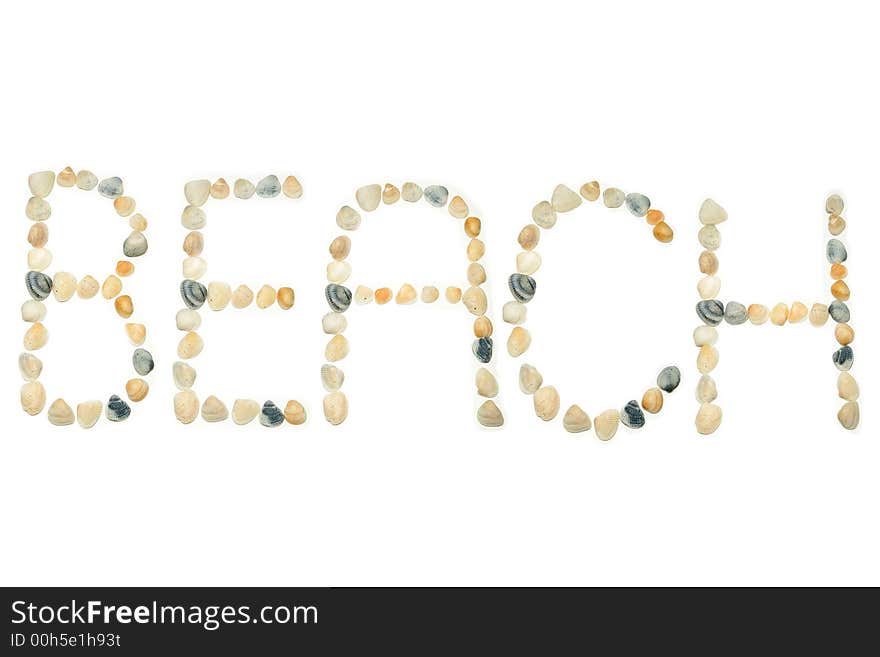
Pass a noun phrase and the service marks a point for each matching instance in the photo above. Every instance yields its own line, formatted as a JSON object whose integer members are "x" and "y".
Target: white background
{"x": 766, "y": 108}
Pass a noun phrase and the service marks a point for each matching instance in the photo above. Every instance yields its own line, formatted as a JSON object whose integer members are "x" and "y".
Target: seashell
{"x": 38, "y": 235}
{"x": 453, "y": 294}
{"x": 194, "y": 267}
{"x": 86, "y": 180}
{"x": 613, "y": 197}
{"x": 632, "y": 415}
{"x": 473, "y": 226}
{"x": 33, "y": 397}
{"x": 117, "y": 410}
{"x": 60, "y": 414}
{"x": 268, "y": 187}
{"x": 111, "y": 187}
{"x": 843, "y": 333}
{"x": 64, "y": 286}
{"x": 338, "y": 271}
{"x": 430, "y": 294}
{"x": 839, "y": 312}
{"x": 184, "y": 375}
{"x": 707, "y": 359}
{"x": 711, "y": 213}
{"x": 291, "y": 187}
{"x": 36, "y": 337}
{"x": 798, "y": 313}
{"x": 87, "y": 287}
{"x": 652, "y": 400}
{"x": 332, "y": 377}
{"x": 39, "y": 259}
{"x": 708, "y": 263}
{"x": 779, "y": 314}
{"x": 711, "y": 311}
{"x": 214, "y": 410}
{"x": 705, "y": 335}
{"x": 482, "y": 327}
{"x": 294, "y": 412}
{"x": 30, "y": 367}
{"x": 847, "y": 387}
{"x": 88, "y": 413}
{"x": 41, "y": 183}
{"x": 123, "y": 306}
{"x": 243, "y": 188}
{"x": 220, "y": 189}
{"x": 529, "y": 237}
{"x": 244, "y": 411}
{"x": 334, "y": 323}
{"x": 735, "y": 313}
{"x": 136, "y": 389}
{"x": 840, "y": 290}
{"x": 475, "y": 250}
{"x": 188, "y": 320}
{"x": 66, "y": 177}
{"x": 410, "y": 192}
{"x": 519, "y": 341}
{"x": 33, "y": 310}
{"x": 219, "y": 295}
{"x": 706, "y": 390}
{"x": 638, "y": 204}
{"x": 383, "y": 295}
{"x": 544, "y": 215}
{"x": 836, "y": 224}
{"x": 530, "y": 379}
{"x": 458, "y": 208}
{"x": 709, "y": 237}
{"x": 37, "y": 209}
{"x": 285, "y": 298}
{"x": 368, "y": 197}
{"x": 848, "y": 415}
{"x": 363, "y": 294}
{"x": 838, "y": 271}
{"x": 124, "y": 268}
{"x": 758, "y": 313}
{"x": 335, "y": 408}
{"x": 266, "y": 296}
{"x": 193, "y": 293}
{"x": 590, "y": 190}
{"x": 242, "y": 297}
{"x": 564, "y": 199}
{"x": 709, "y": 287}
{"x": 124, "y": 206}
{"x": 476, "y": 275}
{"x": 576, "y": 420}
{"x": 436, "y": 195}
{"x": 38, "y": 285}
{"x": 271, "y": 415}
{"x": 836, "y": 251}
{"x": 197, "y": 191}
{"x": 390, "y": 194}
{"x": 190, "y": 345}
{"x": 336, "y": 349}
{"x": 663, "y": 233}
{"x": 186, "y": 406}
{"x": 474, "y": 299}
{"x": 111, "y": 287}
{"x": 654, "y": 217}
{"x": 142, "y": 360}
{"x": 606, "y": 423}
{"x": 818, "y": 314}
{"x": 193, "y": 243}
{"x": 522, "y": 287}
{"x": 843, "y": 358}
{"x": 489, "y": 415}
{"x": 487, "y": 385}
{"x": 340, "y": 247}
{"x": 513, "y": 312}
{"x": 834, "y": 204}
{"x": 193, "y": 217}
{"x": 348, "y": 218}
{"x": 135, "y": 245}
{"x": 338, "y": 297}
{"x": 669, "y": 378}
{"x": 528, "y": 262}
{"x": 482, "y": 348}
{"x": 708, "y": 418}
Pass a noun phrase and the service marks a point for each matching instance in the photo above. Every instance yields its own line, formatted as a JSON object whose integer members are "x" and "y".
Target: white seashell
{"x": 338, "y": 271}
{"x": 410, "y": 192}
{"x": 709, "y": 287}
{"x": 33, "y": 311}
{"x": 348, "y": 218}
{"x": 487, "y": 385}
{"x": 89, "y": 412}
{"x": 474, "y": 299}
{"x": 243, "y": 188}
{"x": 86, "y": 180}
{"x": 707, "y": 359}
{"x": 188, "y": 319}
{"x": 242, "y": 297}
{"x": 368, "y": 197}
{"x": 244, "y": 410}
{"x": 41, "y": 183}
{"x": 564, "y": 199}
{"x": 33, "y": 397}
{"x": 847, "y": 387}
{"x": 60, "y": 413}
{"x": 489, "y": 415}
{"x": 530, "y": 379}
{"x": 184, "y": 375}
{"x": 29, "y": 366}
{"x": 37, "y": 209}
{"x": 219, "y": 295}
{"x": 544, "y": 215}
{"x": 333, "y": 323}
{"x": 214, "y": 410}
{"x": 705, "y": 335}
{"x": 528, "y": 262}
{"x": 546, "y": 403}
{"x": 711, "y": 213}
{"x": 193, "y": 217}
{"x": 336, "y": 349}
{"x": 363, "y": 294}
{"x": 576, "y": 420}
{"x": 39, "y": 259}
{"x": 430, "y": 294}
{"x": 709, "y": 237}
{"x": 514, "y": 312}
{"x": 335, "y": 408}
{"x": 194, "y": 267}
{"x": 186, "y": 406}
{"x": 197, "y": 191}
{"x": 331, "y": 377}
{"x": 706, "y": 389}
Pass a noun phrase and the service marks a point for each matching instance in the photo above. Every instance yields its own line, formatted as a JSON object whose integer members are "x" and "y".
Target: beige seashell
{"x": 476, "y": 275}
{"x": 265, "y": 296}
{"x": 708, "y": 418}
{"x": 429, "y": 294}
{"x": 137, "y": 222}
{"x": 111, "y": 287}
{"x": 489, "y": 415}
{"x": 86, "y": 180}
{"x": 193, "y": 243}
{"x": 193, "y": 217}
{"x": 60, "y": 414}
{"x": 410, "y": 192}
{"x": 294, "y": 412}
{"x": 41, "y": 183}
{"x": 29, "y": 366}
{"x": 336, "y": 349}
{"x": 186, "y": 406}
{"x": 576, "y": 420}
{"x": 708, "y": 263}
{"x": 242, "y": 297}
{"x": 36, "y": 337}
{"x": 37, "y": 209}
{"x": 848, "y": 415}
{"x": 33, "y": 311}
{"x": 66, "y": 177}
{"x": 818, "y": 314}
{"x": 519, "y": 341}
{"x": 606, "y": 424}
{"x": 711, "y": 213}
{"x": 529, "y": 237}
{"x": 124, "y": 268}
{"x": 291, "y": 187}
{"x": 220, "y": 189}
{"x": 363, "y": 295}
{"x": 474, "y": 299}
{"x": 458, "y": 208}
{"x": 136, "y": 389}
{"x": 87, "y": 287}
{"x": 334, "y": 323}
{"x": 847, "y": 387}
{"x": 123, "y": 306}
{"x": 184, "y": 375}
{"x": 406, "y": 295}
{"x": 338, "y": 271}
{"x": 285, "y": 298}
{"x": 383, "y": 295}
{"x": 475, "y": 250}
{"x": 214, "y": 410}
{"x": 836, "y": 224}
{"x": 33, "y": 397}
{"x": 487, "y": 385}
{"x": 244, "y": 410}
{"x": 219, "y": 295}
{"x": 340, "y": 247}
{"x": 335, "y": 408}
{"x": 331, "y": 377}
{"x": 190, "y": 345}
{"x": 194, "y": 267}
{"x": 704, "y": 335}
{"x": 706, "y": 390}
{"x": 758, "y": 313}
{"x": 453, "y": 294}
{"x": 707, "y": 359}
{"x": 39, "y": 259}
{"x": 652, "y": 400}
{"x": 546, "y": 402}
{"x": 564, "y": 199}
{"x": 188, "y": 319}
{"x": 528, "y": 262}
{"x": 843, "y": 333}
{"x": 390, "y": 194}
{"x": 709, "y": 287}
{"x": 64, "y": 286}
{"x": 482, "y": 327}
{"x": 136, "y": 333}
{"x": 544, "y": 215}
{"x": 473, "y": 226}
{"x": 514, "y": 312}
{"x": 710, "y": 238}
{"x": 197, "y": 191}
{"x": 779, "y": 314}
{"x": 88, "y": 413}
{"x": 798, "y": 313}
{"x": 124, "y": 205}
{"x": 590, "y": 190}
{"x": 38, "y": 235}
{"x": 530, "y": 379}
{"x": 368, "y": 197}
{"x": 243, "y": 188}
{"x": 348, "y": 218}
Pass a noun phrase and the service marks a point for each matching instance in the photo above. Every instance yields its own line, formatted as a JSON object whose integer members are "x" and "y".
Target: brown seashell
{"x": 66, "y": 177}
{"x": 294, "y": 412}
{"x": 383, "y": 295}
{"x": 529, "y": 237}
{"x": 663, "y": 232}
{"x": 193, "y": 243}
{"x": 840, "y": 290}
{"x": 472, "y": 226}
{"x": 124, "y": 205}
{"x": 844, "y": 334}
{"x": 340, "y": 247}
{"x": 136, "y": 389}
{"x": 482, "y": 327}
{"x": 220, "y": 189}
{"x": 285, "y": 297}
{"x": 652, "y": 400}
{"x": 124, "y": 268}
{"x": 390, "y": 194}
{"x": 453, "y": 294}
{"x": 708, "y": 263}
{"x": 38, "y": 235}
{"x": 406, "y": 295}
{"x": 590, "y": 190}
{"x": 124, "y": 306}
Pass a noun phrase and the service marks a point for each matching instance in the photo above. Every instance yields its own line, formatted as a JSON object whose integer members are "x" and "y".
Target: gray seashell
{"x": 735, "y": 313}
{"x": 632, "y": 415}
{"x": 38, "y": 285}
{"x": 835, "y": 251}
{"x": 110, "y": 187}
{"x": 638, "y": 204}
{"x": 142, "y": 361}
{"x": 839, "y": 311}
{"x": 436, "y": 195}
{"x": 271, "y": 415}
{"x": 268, "y": 187}
{"x": 843, "y": 358}
{"x": 710, "y": 311}
{"x": 135, "y": 244}
{"x": 117, "y": 409}
{"x": 482, "y": 349}
{"x": 669, "y": 378}
{"x": 522, "y": 287}
{"x": 338, "y": 297}
{"x": 193, "y": 293}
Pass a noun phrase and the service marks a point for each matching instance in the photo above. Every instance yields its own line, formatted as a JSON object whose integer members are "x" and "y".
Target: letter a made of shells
{"x": 217, "y": 295}
{"x": 63, "y": 286}
{"x": 523, "y": 287}
{"x": 339, "y": 298}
